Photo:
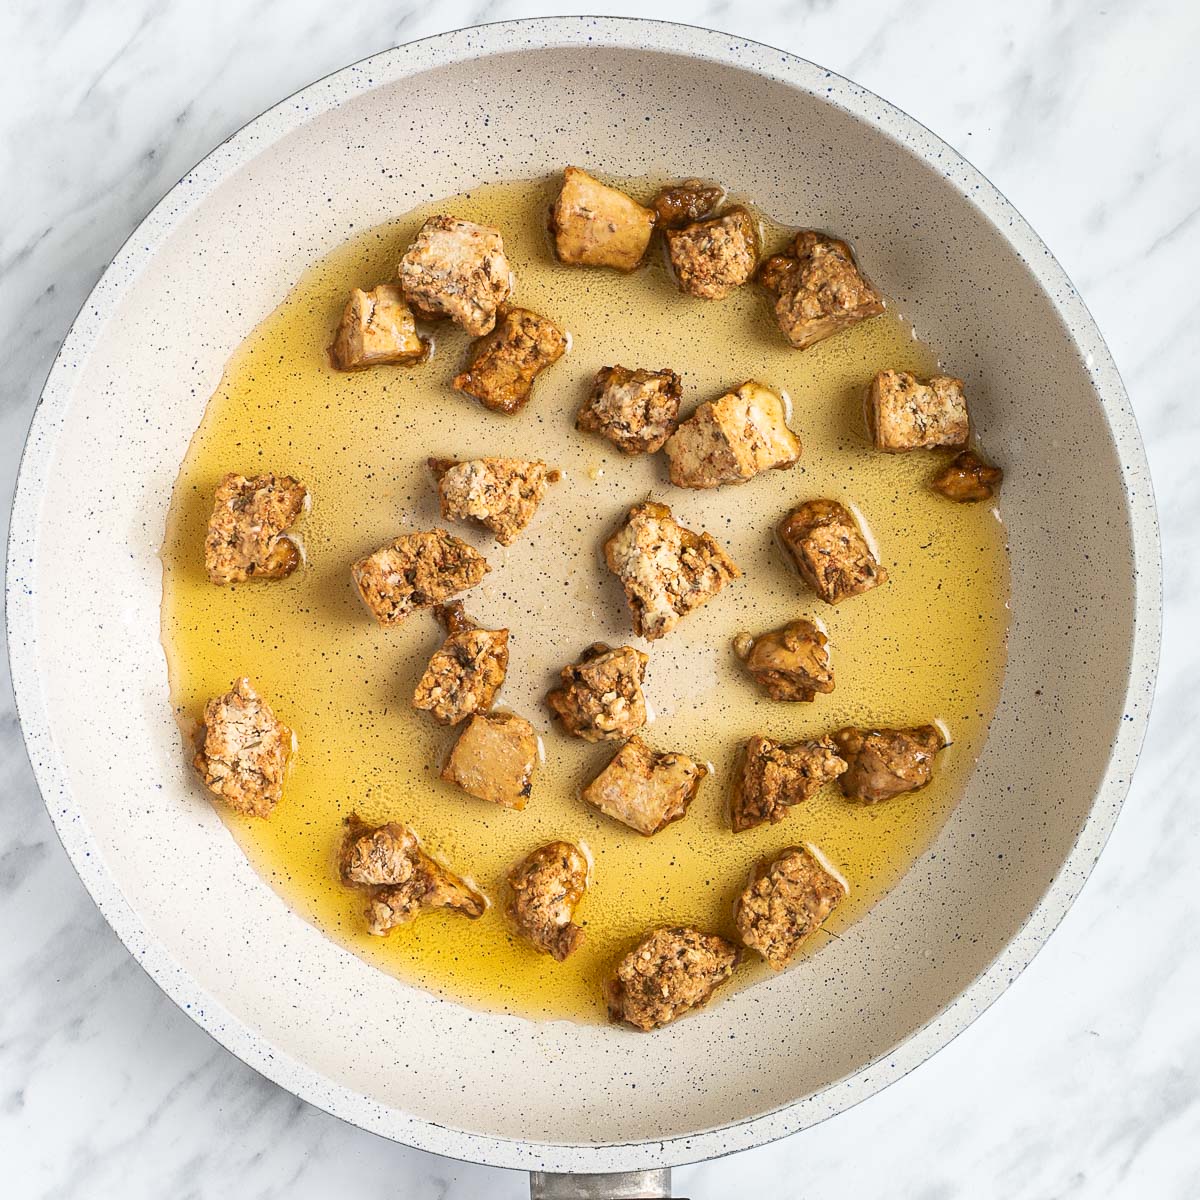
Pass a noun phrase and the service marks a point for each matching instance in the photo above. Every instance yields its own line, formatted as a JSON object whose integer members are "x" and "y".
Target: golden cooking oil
{"x": 928, "y": 645}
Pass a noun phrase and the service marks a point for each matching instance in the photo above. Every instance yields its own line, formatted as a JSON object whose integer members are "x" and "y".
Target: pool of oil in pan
{"x": 930, "y": 644}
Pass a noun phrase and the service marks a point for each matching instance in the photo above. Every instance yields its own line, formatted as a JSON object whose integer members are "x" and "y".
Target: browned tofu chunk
{"x": 637, "y": 410}
{"x": 377, "y": 329}
{"x": 968, "y": 479}
{"x": 786, "y": 901}
{"x": 432, "y": 886}
{"x": 905, "y": 414}
{"x": 245, "y": 749}
{"x": 546, "y": 887}
{"x": 829, "y": 550}
{"x": 668, "y": 973}
{"x": 883, "y": 763}
{"x": 645, "y": 789}
{"x": 414, "y": 571}
{"x": 818, "y": 289}
{"x": 682, "y": 203}
{"x": 379, "y": 855}
{"x": 791, "y": 663}
{"x": 500, "y": 493}
{"x": 774, "y": 778}
{"x": 457, "y": 269}
{"x": 732, "y": 439}
{"x": 502, "y": 366}
{"x": 601, "y": 695}
{"x": 715, "y": 257}
{"x": 401, "y": 879}
{"x": 494, "y": 758}
{"x": 598, "y": 226}
{"x": 463, "y": 676}
{"x": 666, "y": 570}
{"x": 250, "y": 516}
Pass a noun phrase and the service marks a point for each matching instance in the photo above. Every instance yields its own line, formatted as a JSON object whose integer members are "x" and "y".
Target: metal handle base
{"x": 623, "y": 1185}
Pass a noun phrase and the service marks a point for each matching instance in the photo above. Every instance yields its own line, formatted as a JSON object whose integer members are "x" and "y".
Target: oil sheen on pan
{"x": 929, "y": 645}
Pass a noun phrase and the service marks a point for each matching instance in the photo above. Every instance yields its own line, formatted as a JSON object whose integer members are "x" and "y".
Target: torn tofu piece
{"x": 777, "y": 273}
{"x": 546, "y": 887}
{"x": 500, "y": 493}
{"x": 791, "y": 663}
{"x": 668, "y": 973}
{"x": 786, "y": 901}
{"x": 244, "y": 752}
{"x": 713, "y": 258}
{"x": 732, "y": 439}
{"x": 403, "y": 881}
{"x": 968, "y": 479}
{"x": 818, "y": 289}
{"x": 666, "y": 570}
{"x": 601, "y": 695}
{"x": 774, "y": 778}
{"x": 598, "y": 226}
{"x": 645, "y": 789}
{"x": 636, "y": 410}
{"x": 883, "y": 763}
{"x": 829, "y": 550}
{"x": 494, "y": 758}
{"x": 457, "y": 269}
{"x": 246, "y": 531}
{"x": 372, "y": 856}
{"x": 680, "y": 204}
{"x": 465, "y": 674}
{"x": 377, "y": 329}
{"x": 414, "y": 571}
{"x": 502, "y": 366}
{"x": 905, "y": 414}
{"x": 431, "y": 886}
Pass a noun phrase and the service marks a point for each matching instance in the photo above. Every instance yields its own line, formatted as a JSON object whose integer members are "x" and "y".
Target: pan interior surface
{"x": 928, "y": 646}
{"x": 381, "y": 138}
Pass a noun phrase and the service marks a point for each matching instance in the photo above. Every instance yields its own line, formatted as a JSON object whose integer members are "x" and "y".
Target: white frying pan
{"x": 129, "y": 387}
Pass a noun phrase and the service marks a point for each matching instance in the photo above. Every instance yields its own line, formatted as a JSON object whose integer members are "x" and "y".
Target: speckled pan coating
{"x": 514, "y": 100}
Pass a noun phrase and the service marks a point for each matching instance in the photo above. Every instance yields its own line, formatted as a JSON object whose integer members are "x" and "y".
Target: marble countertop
{"x": 1084, "y": 1080}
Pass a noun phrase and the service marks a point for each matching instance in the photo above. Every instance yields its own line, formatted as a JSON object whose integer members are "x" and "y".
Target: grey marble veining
{"x": 1084, "y": 1080}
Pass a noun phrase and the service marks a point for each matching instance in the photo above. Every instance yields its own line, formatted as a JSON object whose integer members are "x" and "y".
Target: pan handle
{"x": 621, "y": 1185}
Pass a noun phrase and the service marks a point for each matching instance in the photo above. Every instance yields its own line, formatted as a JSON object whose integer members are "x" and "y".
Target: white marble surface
{"x": 1084, "y": 1080}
